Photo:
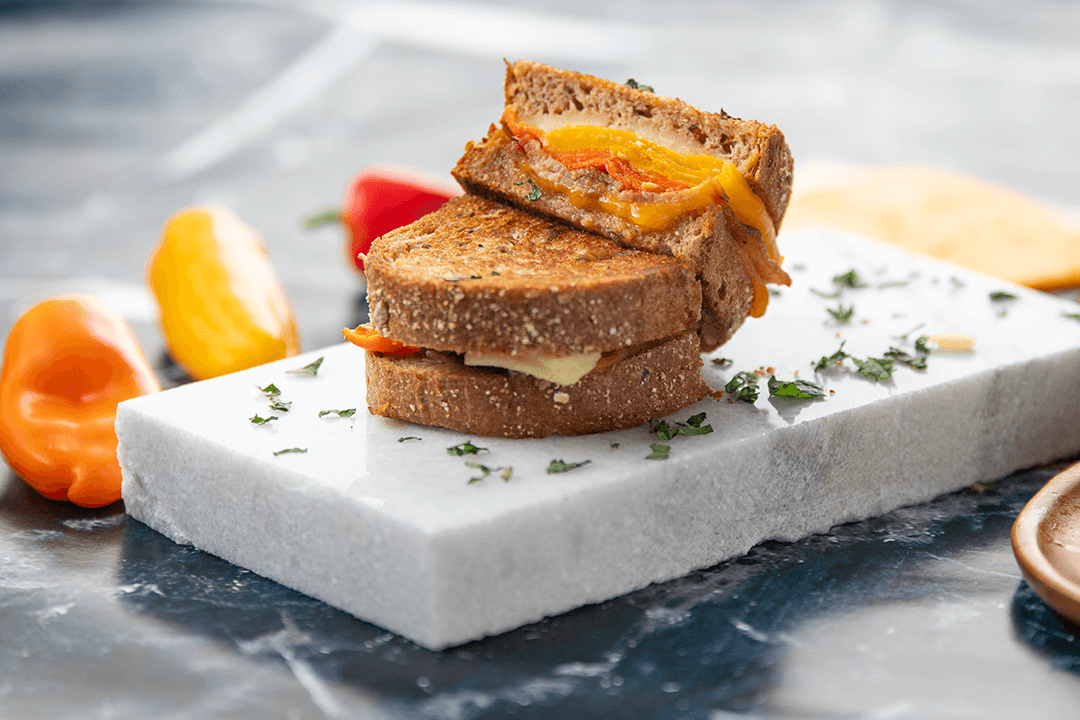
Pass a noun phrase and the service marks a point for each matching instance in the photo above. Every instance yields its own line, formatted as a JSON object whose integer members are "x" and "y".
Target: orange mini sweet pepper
{"x": 221, "y": 306}
{"x": 68, "y": 362}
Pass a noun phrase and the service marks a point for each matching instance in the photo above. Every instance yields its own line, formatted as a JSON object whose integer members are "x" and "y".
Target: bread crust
{"x": 481, "y": 276}
{"x": 658, "y": 380}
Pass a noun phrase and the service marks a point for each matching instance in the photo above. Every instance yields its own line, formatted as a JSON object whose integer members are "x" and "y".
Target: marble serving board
{"x": 376, "y": 517}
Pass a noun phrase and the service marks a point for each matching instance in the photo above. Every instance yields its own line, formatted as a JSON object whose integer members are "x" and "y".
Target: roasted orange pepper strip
{"x": 222, "y": 307}
{"x": 368, "y": 338}
{"x": 68, "y": 362}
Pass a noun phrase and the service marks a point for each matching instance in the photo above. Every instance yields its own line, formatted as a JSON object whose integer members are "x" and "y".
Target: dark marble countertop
{"x": 114, "y": 115}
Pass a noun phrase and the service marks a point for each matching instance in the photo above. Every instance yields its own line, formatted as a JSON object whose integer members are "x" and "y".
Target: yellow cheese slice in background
{"x": 948, "y": 215}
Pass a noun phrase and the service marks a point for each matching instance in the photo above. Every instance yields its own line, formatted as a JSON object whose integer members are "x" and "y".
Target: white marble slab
{"x": 394, "y": 533}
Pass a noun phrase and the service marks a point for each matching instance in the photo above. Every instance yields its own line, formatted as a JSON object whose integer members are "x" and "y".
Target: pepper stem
{"x": 322, "y": 218}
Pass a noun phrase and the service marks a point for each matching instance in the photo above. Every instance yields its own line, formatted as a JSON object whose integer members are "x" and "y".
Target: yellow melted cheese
{"x": 704, "y": 176}
{"x": 559, "y": 370}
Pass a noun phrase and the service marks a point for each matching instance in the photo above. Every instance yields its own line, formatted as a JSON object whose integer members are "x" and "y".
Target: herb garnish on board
{"x": 558, "y": 466}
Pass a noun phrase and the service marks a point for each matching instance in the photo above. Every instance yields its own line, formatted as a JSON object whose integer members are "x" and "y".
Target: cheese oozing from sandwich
{"x": 660, "y": 184}
{"x": 558, "y": 370}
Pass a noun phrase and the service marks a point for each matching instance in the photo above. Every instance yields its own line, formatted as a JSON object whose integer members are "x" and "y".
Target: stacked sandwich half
{"x": 607, "y": 237}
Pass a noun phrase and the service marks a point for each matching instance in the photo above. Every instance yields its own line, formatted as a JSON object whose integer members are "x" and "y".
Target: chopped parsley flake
{"x": 841, "y": 314}
{"x": 270, "y": 390}
{"x": 639, "y": 86}
{"x": 912, "y": 361}
{"x": 340, "y": 413}
{"x": 410, "y": 437}
{"x": 506, "y": 474}
{"x": 849, "y": 279}
{"x": 465, "y": 448}
{"x": 535, "y": 193}
{"x": 279, "y": 406}
{"x": 558, "y": 466}
{"x": 256, "y": 420}
{"x": 310, "y": 369}
{"x": 921, "y": 345}
{"x": 659, "y": 452}
{"x": 876, "y": 369}
{"x": 287, "y": 451}
{"x": 799, "y": 389}
{"x": 828, "y": 296}
{"x": 828, "y": 361}
{"x": 744, "y": 386}
{"x": 1071, "y": 316}
{"x": 660, "y": 427}
{"x": 1002, "y": 295}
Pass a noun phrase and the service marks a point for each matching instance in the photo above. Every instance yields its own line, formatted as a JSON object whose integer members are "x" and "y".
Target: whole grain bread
{"x": 759, "y": 151}
{"x": 481, "y": 276}
{"x": 711, "y": 240}
{"x": 429, "y": 388}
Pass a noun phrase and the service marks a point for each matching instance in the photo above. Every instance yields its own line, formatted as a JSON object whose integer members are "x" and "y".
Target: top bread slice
{"x": 711, "y": 239}
{"x": 484, "y": 277}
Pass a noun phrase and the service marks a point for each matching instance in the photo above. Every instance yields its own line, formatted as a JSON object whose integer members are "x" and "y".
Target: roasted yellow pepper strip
{"x": 222, "y": 308}
{"x": 68, "y": 362}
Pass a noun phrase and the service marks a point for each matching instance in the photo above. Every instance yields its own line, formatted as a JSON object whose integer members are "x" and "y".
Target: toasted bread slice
{"x": 732, "y": 259}
{"x": 759, "y": 151}
{"x": 482, "y": 277}
{"x": 644, "y": 382}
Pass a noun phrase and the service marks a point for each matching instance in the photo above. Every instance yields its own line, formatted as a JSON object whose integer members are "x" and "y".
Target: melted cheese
{"x": 703, "y": 176}
{"x": 559, "y": 370}
{"x": 687, "y": 182}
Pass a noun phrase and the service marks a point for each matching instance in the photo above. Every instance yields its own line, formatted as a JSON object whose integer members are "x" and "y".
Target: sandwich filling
{"x": 558, "y": 370}
{"x": 659, "y": 185}
{"x": 565, "y": 371}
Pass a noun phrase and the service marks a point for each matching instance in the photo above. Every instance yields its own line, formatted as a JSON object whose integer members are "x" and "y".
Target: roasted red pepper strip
{"x": 618, "y": 168}
{"x": 68, "y": 362}
{"x": 368, "y": 338}
{"x": 379, "y": 200}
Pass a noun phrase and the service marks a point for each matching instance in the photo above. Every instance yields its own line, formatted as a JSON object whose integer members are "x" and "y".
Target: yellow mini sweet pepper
{"x": 221, "y": 306}
{"x": 68, "y": 362}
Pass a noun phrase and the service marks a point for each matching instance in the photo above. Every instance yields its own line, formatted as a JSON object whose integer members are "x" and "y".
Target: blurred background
{"x": 114, "y": 115}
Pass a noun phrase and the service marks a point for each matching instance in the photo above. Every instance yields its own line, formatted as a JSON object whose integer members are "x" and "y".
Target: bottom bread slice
{"x": 659, "y": 379}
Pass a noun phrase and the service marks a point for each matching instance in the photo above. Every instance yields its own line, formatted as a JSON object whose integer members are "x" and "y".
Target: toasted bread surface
{"x": 703, "y": 239}
{"x": 430, "y": 389}
{"x": 719, "y": 248}
{"x": 481, "y": 276}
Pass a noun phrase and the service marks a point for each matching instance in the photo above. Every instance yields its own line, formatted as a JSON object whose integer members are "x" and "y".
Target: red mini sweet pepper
{"x": 380, "y": 199}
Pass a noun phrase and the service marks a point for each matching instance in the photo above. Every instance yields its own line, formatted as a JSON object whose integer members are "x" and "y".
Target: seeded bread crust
{"x": 481, "y": 276}
{"x": 429, "y": 390}
{"x": 759, "y": 151}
